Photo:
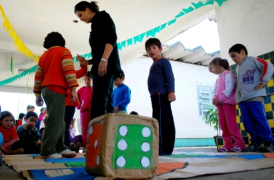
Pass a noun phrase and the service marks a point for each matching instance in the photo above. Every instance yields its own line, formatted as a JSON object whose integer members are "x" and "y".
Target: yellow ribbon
{"x": 17, "y": 41}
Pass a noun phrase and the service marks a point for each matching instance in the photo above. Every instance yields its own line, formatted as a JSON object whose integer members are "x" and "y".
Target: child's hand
{"x": 1, "y": 154}
{"x": 39, "y": 101}
{"x": 80, "y": 59}
{"x": 73, "y": 95}
{"x": 7, "y": 149}
{"x": 171, "y": 96}
{"x": 26, "y": 126}
{"x": 39, "y": 143}
{"x": 216, "y": 101}
{"x": 259, "y": 86}
{"x": 116, "y": 109}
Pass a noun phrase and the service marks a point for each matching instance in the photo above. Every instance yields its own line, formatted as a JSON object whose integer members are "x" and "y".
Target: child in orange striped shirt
{"x": 55, "y": 74}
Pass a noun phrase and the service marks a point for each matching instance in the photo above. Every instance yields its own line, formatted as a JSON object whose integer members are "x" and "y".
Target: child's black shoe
{"x": 269, "y": 147}
{"x": 254, "y": 147}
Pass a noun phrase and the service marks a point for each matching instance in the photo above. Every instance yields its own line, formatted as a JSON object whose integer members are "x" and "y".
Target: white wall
{"x": 17, "y": 102}
{"x": 249, "y": 22}
{"x": 185, "y": 108}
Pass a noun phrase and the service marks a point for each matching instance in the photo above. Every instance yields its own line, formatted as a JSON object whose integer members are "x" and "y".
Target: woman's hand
{"x": 102, "y": 68}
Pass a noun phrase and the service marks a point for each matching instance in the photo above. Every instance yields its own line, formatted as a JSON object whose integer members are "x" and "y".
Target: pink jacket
{"x": 220, "y": 87}
{"x": 84, "y": 95}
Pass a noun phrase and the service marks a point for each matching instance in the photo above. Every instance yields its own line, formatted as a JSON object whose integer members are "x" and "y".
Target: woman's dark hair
{"x": 5, "y": 114}
{"x": 81, "y": 6}
{"x": 89, "y": 74}
{"x": 31, "y": 113}
{"x": 153, "y": 41}
{"x": 237, "y": 48}
{"x": 54, "y": 39}
{"x": 221, "y": 62}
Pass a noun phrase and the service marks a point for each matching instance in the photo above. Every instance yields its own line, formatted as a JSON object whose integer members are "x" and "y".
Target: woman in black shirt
{"x": 105, "y": 57}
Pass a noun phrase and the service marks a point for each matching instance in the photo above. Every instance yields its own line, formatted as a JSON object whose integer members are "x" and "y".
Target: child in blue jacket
{"x": 121, "y": 95}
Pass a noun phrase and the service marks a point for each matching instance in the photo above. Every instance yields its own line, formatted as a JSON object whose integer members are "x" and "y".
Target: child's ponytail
{"x": 222, "y": 62}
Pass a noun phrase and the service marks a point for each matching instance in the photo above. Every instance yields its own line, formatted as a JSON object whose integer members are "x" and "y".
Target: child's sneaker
{"x": 53, "y": 156}
{"x": 81, "y": 149}
{"x": 223, "y": 149}
{"x": 68, "y": 153}
{"x": 269, "y": 148}
{"x": 236, "y": 149}
{"x": 254, "y": 147}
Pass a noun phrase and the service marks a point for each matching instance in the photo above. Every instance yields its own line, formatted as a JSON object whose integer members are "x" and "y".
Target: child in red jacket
{"x": 55, "y": 74}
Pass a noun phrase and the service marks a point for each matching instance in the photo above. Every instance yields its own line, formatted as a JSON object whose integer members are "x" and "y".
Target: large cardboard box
{"x": 123, "y": 146}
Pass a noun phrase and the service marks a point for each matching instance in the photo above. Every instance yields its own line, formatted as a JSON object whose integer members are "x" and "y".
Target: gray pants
{"x": 53, "y": 139}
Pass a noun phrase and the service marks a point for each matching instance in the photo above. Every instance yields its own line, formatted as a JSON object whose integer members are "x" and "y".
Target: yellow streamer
{"x": 17, "y": 41}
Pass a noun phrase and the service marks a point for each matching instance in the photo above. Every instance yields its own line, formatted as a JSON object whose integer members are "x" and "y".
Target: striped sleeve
{"x": 38, "y": 81}
{"x": 266, "y": 68}
{"x": 10, "y": 142}
{"x": 68, "y": 70}
{"x": 13, "y": 137}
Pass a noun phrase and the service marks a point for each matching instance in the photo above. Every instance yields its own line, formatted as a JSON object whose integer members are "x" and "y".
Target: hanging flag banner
{"x": 27, "y": 88}
{"x": 126, "y": 43}
{"x": 17, "y": 41}
{"x": 11, "y": 64}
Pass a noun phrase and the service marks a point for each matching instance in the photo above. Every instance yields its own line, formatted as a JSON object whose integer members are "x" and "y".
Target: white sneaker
{"x": 54, "y": 156}
{"x": 68, "y": 153}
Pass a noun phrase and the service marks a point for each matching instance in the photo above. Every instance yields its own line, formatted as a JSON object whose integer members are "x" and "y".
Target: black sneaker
{"x": 254, "y": 147}
{"x": 269, "y": 147}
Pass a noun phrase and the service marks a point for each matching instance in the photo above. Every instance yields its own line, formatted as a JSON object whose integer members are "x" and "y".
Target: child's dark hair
{"x": 5, "y": 114}
{"x": 45, "y": 118}
{"x": 153, "y": 41}
{"x": 31, "y": 113}
{"x": 21, "y": 115}
{"x": 133, "y": 113}
{"x": 237, "y": 48}
{"x": 54, "y": 39}
{"x": 89, "y": 74}
{"x": 121, "y": 74}
{"x": 81, "y": 6}
{"x": 30, "y": 106}
{"x": 42, "y": 109}
{"x": 221, "y": 62}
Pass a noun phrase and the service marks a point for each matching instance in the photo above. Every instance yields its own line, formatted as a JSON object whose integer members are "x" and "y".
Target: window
{"x": 205, "y": 94}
